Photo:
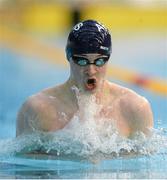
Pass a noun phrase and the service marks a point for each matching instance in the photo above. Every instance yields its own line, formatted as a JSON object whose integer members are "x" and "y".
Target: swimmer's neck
{"x": 99, "y": 94}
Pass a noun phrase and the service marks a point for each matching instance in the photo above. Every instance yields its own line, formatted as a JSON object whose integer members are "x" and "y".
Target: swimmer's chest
{"x": 59, "y": 117}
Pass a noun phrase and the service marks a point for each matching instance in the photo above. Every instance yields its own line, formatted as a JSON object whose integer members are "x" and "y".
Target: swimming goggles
{"x": 82, "y": 61}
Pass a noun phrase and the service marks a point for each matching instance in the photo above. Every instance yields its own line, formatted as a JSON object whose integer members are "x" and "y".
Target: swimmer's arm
{"x": 142, "y": 117}
{"x": 26, "y": 118}
{"x": 37, "y": 114}
{"x": 137, "y": 112}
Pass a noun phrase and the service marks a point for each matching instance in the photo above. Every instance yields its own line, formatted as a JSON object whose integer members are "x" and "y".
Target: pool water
{"x": 82, "y": 152}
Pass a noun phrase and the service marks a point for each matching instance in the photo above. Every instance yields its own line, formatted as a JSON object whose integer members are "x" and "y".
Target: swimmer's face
{"x": 88, "y": 71}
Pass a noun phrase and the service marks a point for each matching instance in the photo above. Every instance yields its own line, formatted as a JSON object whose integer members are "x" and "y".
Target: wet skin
{"x": 52, "y": 109}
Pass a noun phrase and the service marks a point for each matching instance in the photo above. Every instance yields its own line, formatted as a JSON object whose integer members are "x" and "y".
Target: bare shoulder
{"x": 38, "y": 112}
{"x": 135, "y": 109}
{"x": 29, "y": 114}
{"x": 35, "y": 102}
{"x": 139, "y": 112}
{"x": 135, "y": 102}
{"x": 129, "y": 98}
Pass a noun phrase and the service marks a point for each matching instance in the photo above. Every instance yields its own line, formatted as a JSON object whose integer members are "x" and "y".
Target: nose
{"x": 91, "y": 70}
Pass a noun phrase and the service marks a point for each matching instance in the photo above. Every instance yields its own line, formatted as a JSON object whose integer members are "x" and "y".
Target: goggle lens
{"x": 100, "y": 62}
{"x": 81, "y": 61}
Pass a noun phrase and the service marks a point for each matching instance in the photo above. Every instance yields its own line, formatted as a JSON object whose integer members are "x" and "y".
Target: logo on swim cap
{"x": 88, "y": 37}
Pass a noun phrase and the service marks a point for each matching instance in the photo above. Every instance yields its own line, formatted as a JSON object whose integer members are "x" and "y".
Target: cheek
{"x": 77, "y": 71}
{"x": 102, "y": 70}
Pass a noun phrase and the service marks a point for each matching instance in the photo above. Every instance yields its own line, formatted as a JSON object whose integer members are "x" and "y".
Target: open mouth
{"x": 91, "y": 84}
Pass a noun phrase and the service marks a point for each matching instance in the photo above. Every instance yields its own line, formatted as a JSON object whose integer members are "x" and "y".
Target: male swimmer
{"x": 88, "y": 51}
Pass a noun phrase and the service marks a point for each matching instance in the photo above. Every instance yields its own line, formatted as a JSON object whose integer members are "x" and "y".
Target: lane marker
{"x": 155, "y": 85}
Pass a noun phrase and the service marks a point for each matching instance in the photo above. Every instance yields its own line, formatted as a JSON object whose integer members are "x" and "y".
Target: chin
{"x": 91, "y": 90}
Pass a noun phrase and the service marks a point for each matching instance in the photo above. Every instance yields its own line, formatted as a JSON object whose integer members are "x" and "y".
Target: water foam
{"x": 85, "y": 141}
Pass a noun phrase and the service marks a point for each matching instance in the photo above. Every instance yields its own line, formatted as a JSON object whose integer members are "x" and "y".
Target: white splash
{"x": 86, "y": 136}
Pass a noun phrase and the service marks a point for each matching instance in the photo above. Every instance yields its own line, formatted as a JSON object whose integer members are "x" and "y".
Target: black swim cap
{"x": 88, "y": 37}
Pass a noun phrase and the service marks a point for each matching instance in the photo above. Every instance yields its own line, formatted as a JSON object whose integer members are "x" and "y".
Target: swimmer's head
{"x": 89, "y": 37}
